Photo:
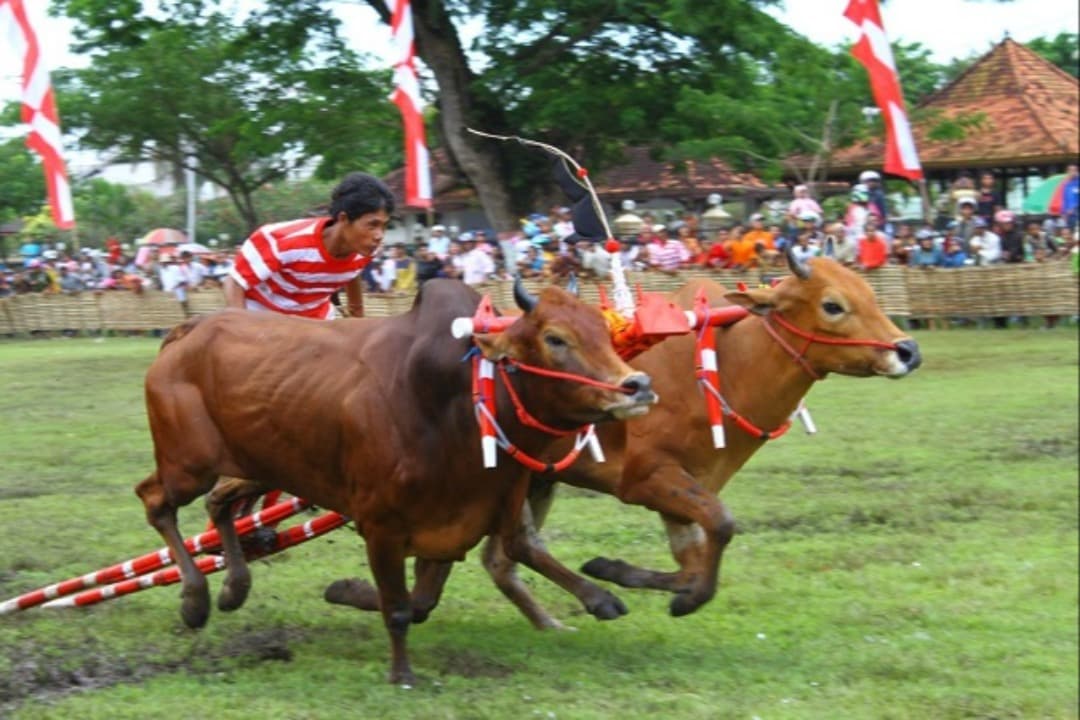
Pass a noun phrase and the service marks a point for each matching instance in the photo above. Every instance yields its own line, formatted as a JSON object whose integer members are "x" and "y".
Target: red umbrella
{"x": 163, "y": 236}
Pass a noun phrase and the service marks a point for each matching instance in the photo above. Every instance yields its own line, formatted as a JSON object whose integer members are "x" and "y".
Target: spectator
{"x": 806, "y": 246}
{"x": 985, "y": 244}
{"x": 453, "y": 265}
{"x": 439, "y": 242}
{"x": 385, "y": 271}
{"x": 965, "y": 222}
{"x": 741, "y": 249}
{"x": 531, "y": 263}
{"x": 760, "y": 240}
{"x": 718, "y": 255}
{"x": 595, "y": 260}
{"x": 836, "y": 245}
{"x": 1070, "y": 198}
{"x": 690, "y": 241}
{"x": 564, "y": 224}
{"x": 428, "y": 266}
{"x": 1012, "y": 241}
{"x": 858, "y": 210}
{"x": 873, "y": 247}
{"x": 876, "y": 194}
{"x": 801, "y": 203}
{"x": 926, "y": 253}
{"x": 70, "y": 283}
{"x": 953, "y": 255}
{"x": 476, "y": 263}
{"x": 667, "y": 254}
{"x": 1035, "y": 241}
{"x": 988, "y": 198}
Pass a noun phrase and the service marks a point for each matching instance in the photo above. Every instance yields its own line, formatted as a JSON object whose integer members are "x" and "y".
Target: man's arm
{"x": 234, "y": 294}
{"x": 354, "y": 294}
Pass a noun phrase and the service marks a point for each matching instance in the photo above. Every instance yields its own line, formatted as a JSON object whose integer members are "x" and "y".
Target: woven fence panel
{"x": 1023, "y": 289}
{"x": 140, "y": 311}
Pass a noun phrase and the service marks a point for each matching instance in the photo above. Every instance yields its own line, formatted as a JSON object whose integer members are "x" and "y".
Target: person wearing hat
{"x": 858, "y": 210}
{"x": 875, "y": 193}
{"x": 1012, "y": 240}
{"x": 294, "y": 268}
{"x": 965, "y": 223}
{"x": 926, "y": 253}
{"x": 439, "y": 242}
{"x": 760, "y": 240}
{"x": 667, "y": 254}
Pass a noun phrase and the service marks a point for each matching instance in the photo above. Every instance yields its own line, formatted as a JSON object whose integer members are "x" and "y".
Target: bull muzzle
{"x": 638, "y": 396}
{"x": 907, "y": 351}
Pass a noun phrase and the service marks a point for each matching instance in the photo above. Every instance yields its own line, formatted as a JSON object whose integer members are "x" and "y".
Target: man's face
{"x": 364, "y": 234}
{"x": 967, "y": 210}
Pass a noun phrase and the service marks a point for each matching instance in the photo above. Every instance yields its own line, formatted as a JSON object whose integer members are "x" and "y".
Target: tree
{"x": 243, "y": 101}
{"x": 1063, "y": 50}
{"x": 22, "y": 180}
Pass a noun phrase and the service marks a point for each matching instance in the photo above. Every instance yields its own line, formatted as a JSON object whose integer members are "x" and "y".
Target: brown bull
{"x": 666, "y": 460}
{"x": 373, "y": 419}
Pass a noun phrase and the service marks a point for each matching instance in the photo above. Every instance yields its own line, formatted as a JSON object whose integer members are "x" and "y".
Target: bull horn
{"x": 572, "y": 285}
{"x": 799, "y": 268}
{"x": 524, "y": 299}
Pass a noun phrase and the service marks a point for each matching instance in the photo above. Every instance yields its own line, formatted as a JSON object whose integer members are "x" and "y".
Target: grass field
{"x": 918, "y": 558}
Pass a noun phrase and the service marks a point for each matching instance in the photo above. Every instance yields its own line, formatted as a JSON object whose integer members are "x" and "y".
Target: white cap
{"x": 868, "y": 175}
{"x": 438, "y": 228}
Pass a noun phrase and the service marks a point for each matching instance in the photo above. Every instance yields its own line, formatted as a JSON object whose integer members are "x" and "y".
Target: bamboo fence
{"x": 972, "y": 292}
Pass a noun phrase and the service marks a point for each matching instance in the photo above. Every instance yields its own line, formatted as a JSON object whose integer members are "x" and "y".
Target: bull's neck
{"x": 759, "y": 378}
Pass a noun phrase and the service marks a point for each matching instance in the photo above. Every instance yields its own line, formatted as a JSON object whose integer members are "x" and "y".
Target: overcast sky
{"x": 948, "y": 28}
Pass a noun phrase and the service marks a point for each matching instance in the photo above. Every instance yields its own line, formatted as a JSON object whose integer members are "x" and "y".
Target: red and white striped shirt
{"x": 284, "y": 267}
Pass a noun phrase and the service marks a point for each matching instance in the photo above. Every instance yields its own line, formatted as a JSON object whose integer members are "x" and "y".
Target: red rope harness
{"x": 484, "y": 402}
{"x": 799, "y": 356}
{"x": 709, "y": 378}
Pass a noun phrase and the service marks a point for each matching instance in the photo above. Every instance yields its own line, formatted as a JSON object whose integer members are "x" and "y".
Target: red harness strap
{"x": 484, "y": 403}
{"x": 799, "y": 356}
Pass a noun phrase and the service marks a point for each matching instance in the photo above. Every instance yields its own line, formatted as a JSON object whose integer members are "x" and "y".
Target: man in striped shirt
{"x": 294, "y": 267}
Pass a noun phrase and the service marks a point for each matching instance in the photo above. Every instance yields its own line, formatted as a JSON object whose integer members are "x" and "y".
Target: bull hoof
{"x": 233, "y": 595}
{"x": 352, "y": 592}
{"x": 404, "y": 678}
{"x": 684, "y": 604}
{"x": 195, "y": 609}
{"x": 608, "y": 607}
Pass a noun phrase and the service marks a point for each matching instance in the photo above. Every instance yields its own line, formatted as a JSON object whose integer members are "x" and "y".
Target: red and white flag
{"x": 407, "y": 97}
{"x": 39, "y": 109}
{"x": 873, "y": 51}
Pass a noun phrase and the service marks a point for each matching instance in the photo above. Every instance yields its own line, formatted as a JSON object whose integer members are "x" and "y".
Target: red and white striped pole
{"x": 207, "y": 564}
{"x": 151, "y": 561}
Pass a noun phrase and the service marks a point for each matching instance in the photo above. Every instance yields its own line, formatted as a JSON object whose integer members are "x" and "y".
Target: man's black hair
{"x": 359, "y": 194}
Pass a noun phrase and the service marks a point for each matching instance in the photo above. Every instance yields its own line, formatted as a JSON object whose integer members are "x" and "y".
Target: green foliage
{"x": 1063, "y": 50}
{"x": 22, "y": 180}
{"x": 915, "y": 559}
{"x": 274, "y": 202}
{"x": 245, "y": 100}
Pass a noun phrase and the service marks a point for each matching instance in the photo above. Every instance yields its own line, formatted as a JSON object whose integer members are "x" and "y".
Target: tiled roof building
{"x": 1020, "y": 113}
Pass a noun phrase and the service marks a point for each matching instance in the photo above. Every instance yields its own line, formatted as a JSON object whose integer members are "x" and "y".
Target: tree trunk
{"x": 438, "y": 44}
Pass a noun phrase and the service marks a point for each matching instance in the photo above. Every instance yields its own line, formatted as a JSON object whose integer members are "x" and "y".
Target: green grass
{"x": 915, "y": 559}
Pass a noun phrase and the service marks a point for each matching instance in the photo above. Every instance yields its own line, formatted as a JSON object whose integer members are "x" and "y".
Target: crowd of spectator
{"x": 58, "y": 271}
{"x": 972, "y": 227}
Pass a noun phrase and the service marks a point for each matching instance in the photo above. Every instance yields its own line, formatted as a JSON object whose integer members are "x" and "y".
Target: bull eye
{"x": 832, "y": 308}
{"x": 555, "y": 342}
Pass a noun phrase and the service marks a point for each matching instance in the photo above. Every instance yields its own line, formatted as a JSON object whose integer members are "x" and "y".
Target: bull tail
{"x": 181, "y": 330}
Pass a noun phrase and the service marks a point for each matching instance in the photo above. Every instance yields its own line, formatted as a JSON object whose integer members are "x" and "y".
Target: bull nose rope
{"x": 799, "y": 356}
{"x": 491, "y": 432}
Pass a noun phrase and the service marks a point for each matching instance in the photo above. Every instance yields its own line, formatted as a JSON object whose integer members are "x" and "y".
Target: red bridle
{"x": 799, "y": 356}
{"x": 484, "y": 403}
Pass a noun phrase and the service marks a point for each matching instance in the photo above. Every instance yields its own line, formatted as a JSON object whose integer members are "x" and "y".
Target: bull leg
{"x": 519, "y": 542}
{"x": 386, "y": 556}
{"x": 161, "y": 514}
{"x": 431, "y": 576}
{"x": 672, "y": 492}
{"x": 503, "y": 570}
{"x": 219, "y": 503}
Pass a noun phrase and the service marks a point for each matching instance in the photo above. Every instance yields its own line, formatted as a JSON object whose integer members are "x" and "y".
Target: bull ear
{"x": 757, "y": 300}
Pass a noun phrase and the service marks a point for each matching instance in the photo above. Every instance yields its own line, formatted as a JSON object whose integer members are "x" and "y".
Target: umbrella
{"x": 163, "y": 236}
{"x": 194, "y": 248}
{"x": 1046, "y": 198}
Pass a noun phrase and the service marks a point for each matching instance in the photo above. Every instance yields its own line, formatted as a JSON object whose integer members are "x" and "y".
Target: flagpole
{"x": 924, "y": 194}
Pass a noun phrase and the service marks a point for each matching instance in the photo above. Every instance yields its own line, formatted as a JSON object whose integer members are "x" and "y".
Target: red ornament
{"x": 582, "y": 172}
{"x": 613, "y": 245}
